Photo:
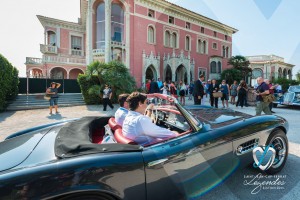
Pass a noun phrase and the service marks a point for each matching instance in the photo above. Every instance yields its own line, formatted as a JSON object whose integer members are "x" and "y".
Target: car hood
{"x": 217, "y": 117}
{"x": 15, "y": 150}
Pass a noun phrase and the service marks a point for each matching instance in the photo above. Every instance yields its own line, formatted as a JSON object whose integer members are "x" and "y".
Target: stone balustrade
{"x": 48, "y": 49}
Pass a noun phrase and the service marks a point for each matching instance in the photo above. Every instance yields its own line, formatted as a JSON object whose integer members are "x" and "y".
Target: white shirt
{"x": 140, "y": 129}
{"x": 120, "y": 115}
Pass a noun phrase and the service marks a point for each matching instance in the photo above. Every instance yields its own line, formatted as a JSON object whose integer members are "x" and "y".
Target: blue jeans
{"x": 53, "y": 101}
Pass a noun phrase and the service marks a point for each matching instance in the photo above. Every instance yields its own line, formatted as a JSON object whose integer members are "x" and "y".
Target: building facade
{"x": 269, "y": 67}
{"x": 153, "y": 38}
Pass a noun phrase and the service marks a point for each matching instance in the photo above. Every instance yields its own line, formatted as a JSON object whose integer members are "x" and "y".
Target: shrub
{"x": 9, "y": 82}
{"x": 85, "y": 84}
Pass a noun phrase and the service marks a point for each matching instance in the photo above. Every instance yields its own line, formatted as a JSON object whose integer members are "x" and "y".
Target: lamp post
{"x": 27, "y": 78}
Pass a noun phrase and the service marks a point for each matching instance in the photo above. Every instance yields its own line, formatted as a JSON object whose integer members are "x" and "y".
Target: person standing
{"x": 191, "y": 90}
{"x": 182, "y": 89}
{"x": 213, "y": 88}
{"x": 246, "y": 96}
{"x": 160, "y": 84}
{"x": 153, "y": 87}
{"x": 148, "y": 86}
{"x": 262, "y": 89}
{"x": 225, "y": 93}
{"x": 165, "y": 89}
{"x": 242, "y": 92}
{"x": 107, "y": 94}
{"x": 271, "y": 90}
{"x": 173, "y": 90}
{"x": 233, "y": 92}
{"x": 53, "y": 92}
{"x": 198, "y": 90}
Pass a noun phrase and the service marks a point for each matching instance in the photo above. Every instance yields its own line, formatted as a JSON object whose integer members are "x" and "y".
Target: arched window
{"x": 219, "y": 67}
{"x": 199, "y": 46}
{"x": 289, "y": 74}
{"x": 204, "y": 47}
{"x": 227, "y": 52}
{"x": 187, "y": 43}
{"x": 167, "y": 39}
{"x": 213, "y": 67}
{"x": 224, "y": 52}
{"x": 284, "y": 73}
{"x": 279, "y": 73}
{"x": 100, "y": 24}
{"x": 174, "y": 40}
{"x": 151, "y": 35}
{"x": 117, "y": 23}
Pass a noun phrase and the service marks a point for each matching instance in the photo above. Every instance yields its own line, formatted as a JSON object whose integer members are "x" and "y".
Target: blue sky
{"x": 265, "y": 26}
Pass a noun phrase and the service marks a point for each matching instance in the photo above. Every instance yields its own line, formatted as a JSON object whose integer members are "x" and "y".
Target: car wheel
{"x": 275, "y": 105}
{"x": 87, "y": 196}
{"x": 280, "y": 143}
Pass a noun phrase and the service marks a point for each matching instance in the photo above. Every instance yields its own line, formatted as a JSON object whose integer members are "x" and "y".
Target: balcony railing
{"x": 35, "y": 61}
{"x": 117, "y": 44}
{"x": 65, "y": 60}
{"x": 48, "y": 49}
{"x": 76, "y": 52}
{"x": 98, "y": 52}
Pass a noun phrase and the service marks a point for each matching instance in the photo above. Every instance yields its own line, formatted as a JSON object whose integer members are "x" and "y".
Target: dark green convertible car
{"x": 89, "y": 158}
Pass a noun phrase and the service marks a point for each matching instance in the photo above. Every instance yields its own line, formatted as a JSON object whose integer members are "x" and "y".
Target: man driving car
{"x": 139, "y": 127}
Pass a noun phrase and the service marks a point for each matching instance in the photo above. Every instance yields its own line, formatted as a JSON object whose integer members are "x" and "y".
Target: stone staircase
{"x": 36, "y": 101}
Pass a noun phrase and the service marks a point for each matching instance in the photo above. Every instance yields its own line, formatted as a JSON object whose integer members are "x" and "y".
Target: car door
{"x": 188, "y": 166}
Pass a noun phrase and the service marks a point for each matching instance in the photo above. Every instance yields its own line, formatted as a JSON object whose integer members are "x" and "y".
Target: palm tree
{"x": 114, "y": 74}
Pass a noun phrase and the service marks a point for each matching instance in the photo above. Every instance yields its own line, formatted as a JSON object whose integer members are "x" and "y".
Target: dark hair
{"x": 201, "y": 76}
{"x": 134, "y": 99}
{"x": 52, "y": 83}
{"x": 122, "y": 99}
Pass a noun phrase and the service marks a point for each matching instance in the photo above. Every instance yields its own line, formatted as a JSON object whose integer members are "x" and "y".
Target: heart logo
{"x": 263, "y": 157}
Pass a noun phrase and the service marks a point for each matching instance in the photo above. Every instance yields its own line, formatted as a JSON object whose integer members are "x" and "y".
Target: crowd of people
{"x": 235, "y": 94}
{"x": 198, "y": 89}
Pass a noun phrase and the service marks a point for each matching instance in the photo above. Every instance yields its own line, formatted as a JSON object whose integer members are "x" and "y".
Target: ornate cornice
{"x": 47, "y": 21}
{"x": 187, "y": 15}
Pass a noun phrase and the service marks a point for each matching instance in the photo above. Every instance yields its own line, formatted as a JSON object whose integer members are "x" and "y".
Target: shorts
{"x": 225, "y": 97}
{"x": 53, "y": 101}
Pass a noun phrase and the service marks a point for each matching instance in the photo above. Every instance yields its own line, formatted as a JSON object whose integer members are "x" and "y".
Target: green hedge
{"x": 9, "y": 82}
{"x": 85, "y": 85}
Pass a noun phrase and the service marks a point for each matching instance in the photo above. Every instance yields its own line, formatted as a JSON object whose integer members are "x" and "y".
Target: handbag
{"x": 217, "y": 94}
{"x": 47, "y": 97}
{"x": 269, "y": 98}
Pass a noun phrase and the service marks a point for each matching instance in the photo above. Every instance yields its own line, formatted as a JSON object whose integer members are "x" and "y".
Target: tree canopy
{"x": 240, "y": 63}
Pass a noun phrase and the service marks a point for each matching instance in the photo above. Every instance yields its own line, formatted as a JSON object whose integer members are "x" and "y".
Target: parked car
{"x": 89, "y": 158}
{"x": 290, "y": 98}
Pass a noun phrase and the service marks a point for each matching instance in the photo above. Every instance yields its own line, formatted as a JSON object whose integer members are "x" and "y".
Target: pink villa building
{"x": 153, "y": 38}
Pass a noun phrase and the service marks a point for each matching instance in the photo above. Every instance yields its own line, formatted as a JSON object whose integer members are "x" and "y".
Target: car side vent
{"x": 247, "y": 146}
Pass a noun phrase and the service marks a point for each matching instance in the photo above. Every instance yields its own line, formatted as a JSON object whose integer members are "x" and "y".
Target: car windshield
{"x": 166, "y": 101}
{"x": 294, "y": 89}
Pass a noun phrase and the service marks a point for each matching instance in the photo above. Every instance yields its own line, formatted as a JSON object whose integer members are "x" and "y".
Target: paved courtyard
{"x": 232, "y": 188}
